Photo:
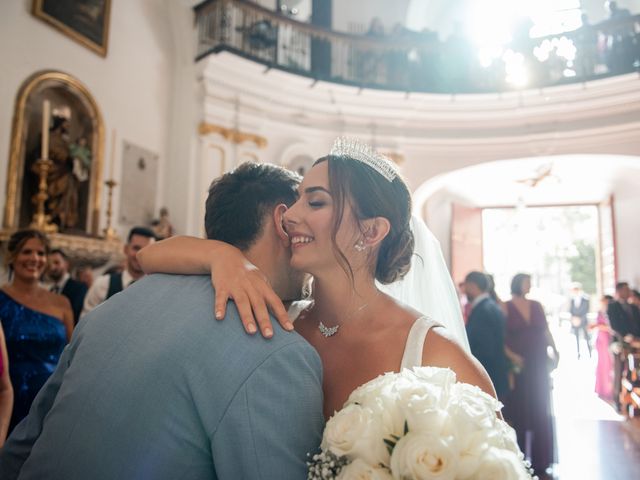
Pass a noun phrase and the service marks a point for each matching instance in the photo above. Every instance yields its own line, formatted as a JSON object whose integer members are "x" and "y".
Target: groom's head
{"x": 245, "y": 207}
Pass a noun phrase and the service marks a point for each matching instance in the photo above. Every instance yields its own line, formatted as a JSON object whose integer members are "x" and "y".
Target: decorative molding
{"x": 231, "y": 134}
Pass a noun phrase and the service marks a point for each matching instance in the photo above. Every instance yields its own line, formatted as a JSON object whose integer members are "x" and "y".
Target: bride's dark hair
{"x": 371, "y": 195}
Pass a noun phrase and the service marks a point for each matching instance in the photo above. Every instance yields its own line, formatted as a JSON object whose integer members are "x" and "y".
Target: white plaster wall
{"x": 131, "y": 85}
{"x": 627, "y": 228}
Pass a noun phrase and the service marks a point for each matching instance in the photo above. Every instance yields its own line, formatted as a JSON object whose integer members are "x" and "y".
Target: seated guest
{"x": 36, "y": 322}
{"x": 6, "y": 390}
{"x": 108, "y": 285}
{"x": 486, "y": 330}
{"x": 74, "y": 290}
{"x": 624, "y": 320}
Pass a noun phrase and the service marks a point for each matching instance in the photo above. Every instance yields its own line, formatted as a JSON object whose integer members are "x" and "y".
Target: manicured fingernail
{"x": 268, "y": 332}
{"x": 251, "y": 328}
{"x": 288, "y": 326}
{"x": 218, "y": 314}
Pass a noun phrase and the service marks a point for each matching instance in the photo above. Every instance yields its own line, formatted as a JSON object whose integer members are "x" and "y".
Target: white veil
{"x": 428, "y": 286}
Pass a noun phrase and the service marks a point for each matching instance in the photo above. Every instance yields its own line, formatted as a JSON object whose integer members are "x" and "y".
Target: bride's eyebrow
{"x": 316, "y": 189}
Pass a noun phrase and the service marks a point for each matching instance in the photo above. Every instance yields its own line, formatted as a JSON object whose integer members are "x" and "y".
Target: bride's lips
{"x": 299, "y": 240}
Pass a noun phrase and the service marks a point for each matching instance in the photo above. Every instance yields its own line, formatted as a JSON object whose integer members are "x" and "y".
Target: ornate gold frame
{"x": 78, "y": 37}
{"x": 18, "y": 139}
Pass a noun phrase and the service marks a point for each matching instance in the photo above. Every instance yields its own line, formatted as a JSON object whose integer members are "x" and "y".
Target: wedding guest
{"x": 604, "y": 369}
{"x": 528, "y": 406}
{"x": 63, "y": 284}
{"x": 578, "y": 309}
{"x": 85, "y": 275}
{"x": 108, "y": 285}
{"x": 634, "y": 298}
{"x": 36, "y": 322}
{"x": 486, "y": 330}
{"x": 624, "y": 319}
{"x": 6, "y": 390}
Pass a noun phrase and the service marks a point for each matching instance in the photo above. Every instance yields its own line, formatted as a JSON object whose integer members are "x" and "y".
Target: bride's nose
{"x": 290, "y": 218}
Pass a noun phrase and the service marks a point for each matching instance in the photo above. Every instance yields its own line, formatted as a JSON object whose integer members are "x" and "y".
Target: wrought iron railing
{"x": 411, "y": 61}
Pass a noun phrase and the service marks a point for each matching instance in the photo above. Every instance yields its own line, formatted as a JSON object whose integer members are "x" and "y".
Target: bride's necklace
{"x": 331, "y": 331}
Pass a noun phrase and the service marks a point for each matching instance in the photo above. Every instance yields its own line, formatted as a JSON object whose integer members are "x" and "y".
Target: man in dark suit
{"x": 63, "y": 284}
{"x": 486, "y": 331}
{"x": 624, "y": 317}
{"x": 578, "y": 308}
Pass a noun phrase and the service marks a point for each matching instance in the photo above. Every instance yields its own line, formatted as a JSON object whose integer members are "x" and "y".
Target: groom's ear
{"x": 278, "y": 221}
{"x": 375, "y": 230}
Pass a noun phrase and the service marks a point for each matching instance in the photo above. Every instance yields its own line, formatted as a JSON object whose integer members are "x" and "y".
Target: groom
{"x": 152, "y": 387}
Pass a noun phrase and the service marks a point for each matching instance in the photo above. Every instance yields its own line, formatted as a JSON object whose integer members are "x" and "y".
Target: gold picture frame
{"x": 85, "y": 21}
{"x": 69, "y": 95}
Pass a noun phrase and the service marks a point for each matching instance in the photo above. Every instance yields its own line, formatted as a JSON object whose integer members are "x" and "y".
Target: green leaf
{"x": 406, "y": 427}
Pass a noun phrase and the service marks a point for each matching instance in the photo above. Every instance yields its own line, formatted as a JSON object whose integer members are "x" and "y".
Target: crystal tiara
{"x": 362, "y": 152}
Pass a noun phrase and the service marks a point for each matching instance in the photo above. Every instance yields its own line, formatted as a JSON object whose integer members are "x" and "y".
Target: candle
{"x": 112, "y": 161}
{"x": 46, "y": 113}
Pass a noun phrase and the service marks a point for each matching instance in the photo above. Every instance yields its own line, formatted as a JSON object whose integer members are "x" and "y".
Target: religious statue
{"x": 71, "y": 164}
{"x": 162, "y": 226}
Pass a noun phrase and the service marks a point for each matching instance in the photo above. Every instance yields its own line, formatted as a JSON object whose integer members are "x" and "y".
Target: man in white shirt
{"x": 110, "y": 284}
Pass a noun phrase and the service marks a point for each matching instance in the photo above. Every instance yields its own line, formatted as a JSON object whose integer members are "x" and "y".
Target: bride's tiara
{"x": 362, "y": 152}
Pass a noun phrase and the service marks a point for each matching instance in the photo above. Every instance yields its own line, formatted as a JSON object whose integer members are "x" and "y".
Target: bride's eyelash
{"x": 316, "y": 204}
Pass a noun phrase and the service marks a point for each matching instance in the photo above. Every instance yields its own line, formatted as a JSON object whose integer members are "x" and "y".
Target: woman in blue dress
{"x": 37, "y": 323}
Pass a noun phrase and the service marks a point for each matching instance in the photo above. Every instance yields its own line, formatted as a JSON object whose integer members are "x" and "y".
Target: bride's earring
{"x": 360, "y": 246}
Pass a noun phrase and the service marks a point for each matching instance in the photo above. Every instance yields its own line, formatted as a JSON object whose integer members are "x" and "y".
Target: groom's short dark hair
{"x": 239, "y": 200}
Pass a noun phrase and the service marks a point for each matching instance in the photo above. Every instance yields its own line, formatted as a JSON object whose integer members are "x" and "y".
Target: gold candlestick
{"x": 41, "y": 221}
{"x": 109, "y": 232}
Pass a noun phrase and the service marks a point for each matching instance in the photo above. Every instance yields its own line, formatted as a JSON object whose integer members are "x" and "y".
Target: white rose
{"x": 472, "y": 410}
{"x": 385, "y": 407}
{"x": 422, "y": 456}
{"x": 360, "y": 470}
{"x": 499, "y": 464}
{"x": 505, "y": 437}
{"x": 444, "y": 377}
{"x": 379, "y": 386}
{"x": 356, "y": 432}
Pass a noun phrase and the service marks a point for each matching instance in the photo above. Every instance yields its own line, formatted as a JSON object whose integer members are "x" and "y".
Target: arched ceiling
{"x": 552, "y": 180}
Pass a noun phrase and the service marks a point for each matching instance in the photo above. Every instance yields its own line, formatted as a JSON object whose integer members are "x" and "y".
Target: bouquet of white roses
{"x": 418, "y": 424}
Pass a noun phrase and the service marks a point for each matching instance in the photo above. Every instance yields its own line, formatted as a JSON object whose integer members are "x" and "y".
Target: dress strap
{"x": 415, "y": 342}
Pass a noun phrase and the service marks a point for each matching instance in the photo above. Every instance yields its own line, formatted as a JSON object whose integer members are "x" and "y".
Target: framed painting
{"x": 85, "y": 21}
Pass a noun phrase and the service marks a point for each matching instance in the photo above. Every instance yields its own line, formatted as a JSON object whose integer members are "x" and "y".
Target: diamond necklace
{"x": 331, "y": 331}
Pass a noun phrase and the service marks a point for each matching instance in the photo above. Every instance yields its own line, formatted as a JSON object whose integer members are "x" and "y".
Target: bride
{"x": 349, "y": 228}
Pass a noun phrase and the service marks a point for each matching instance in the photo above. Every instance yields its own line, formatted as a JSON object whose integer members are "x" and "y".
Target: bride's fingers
{"x": 243, "y": 305}
{"x": 220, "y": 308}
{"x": 260, "y": 313}
{"x": 277, "y": 308}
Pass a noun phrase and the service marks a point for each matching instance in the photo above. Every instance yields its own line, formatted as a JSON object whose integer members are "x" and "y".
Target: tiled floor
{"x": 593, "y": 442}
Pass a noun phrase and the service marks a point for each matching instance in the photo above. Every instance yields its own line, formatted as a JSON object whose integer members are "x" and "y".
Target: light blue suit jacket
{"x": 153, "y": 387}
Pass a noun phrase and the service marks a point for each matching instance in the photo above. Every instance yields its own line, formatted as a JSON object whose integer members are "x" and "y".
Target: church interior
{"x": 516, "y": 125}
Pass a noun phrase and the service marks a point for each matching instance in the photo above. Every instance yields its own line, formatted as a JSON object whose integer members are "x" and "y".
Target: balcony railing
{"x": 411, "y": 61}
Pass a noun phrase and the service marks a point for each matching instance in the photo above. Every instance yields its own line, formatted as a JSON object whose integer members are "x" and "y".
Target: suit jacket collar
{"x": 62, "y": 282}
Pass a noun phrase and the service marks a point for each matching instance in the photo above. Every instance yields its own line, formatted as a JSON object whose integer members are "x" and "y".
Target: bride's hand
{"x": 236, "y": 278}
{"x": 232, "y": 276}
